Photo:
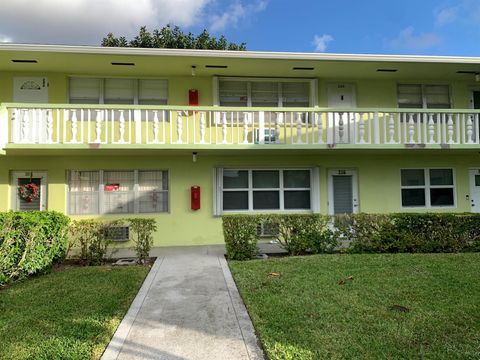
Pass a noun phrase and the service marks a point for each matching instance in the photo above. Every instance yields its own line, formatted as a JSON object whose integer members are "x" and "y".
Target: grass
{"x": 68, "y": 314}
{"x": 304, "y": 313}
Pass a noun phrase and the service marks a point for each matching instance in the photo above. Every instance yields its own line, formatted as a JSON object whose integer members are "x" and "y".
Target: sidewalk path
{"x": 188, "y": 308}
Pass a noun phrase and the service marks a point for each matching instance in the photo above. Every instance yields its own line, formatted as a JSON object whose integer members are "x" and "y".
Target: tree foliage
{"x": 172, "y": 37}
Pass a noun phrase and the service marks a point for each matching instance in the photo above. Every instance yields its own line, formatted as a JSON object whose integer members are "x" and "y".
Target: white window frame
{"x": 101, "y": 191}
{"x": 314, "y": 190}
{"x": 424, "y": 95}
{"x": 313, "y": 88}
{"x": 136, "y": 86}
{"x": 426, "y": 188}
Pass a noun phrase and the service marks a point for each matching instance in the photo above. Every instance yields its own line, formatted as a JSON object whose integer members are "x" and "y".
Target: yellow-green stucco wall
{"x": 378, "y": 183}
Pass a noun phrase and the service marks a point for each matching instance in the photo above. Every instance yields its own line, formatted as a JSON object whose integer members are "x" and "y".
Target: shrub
{"x": 303, "y": 233}
{"x": 89, "y": 236}
{"x": 411, "y": 232}
{"x": 143, "y": 230}
{"x": 241, "y": 237}
{"x": 31, "y": 242}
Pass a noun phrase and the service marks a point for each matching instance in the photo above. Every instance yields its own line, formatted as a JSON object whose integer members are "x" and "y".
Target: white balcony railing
{"x": 169, "y": 125}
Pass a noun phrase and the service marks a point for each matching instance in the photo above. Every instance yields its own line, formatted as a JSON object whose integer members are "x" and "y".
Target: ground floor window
{"x": 266, "y": 190}
{"x": 427, "y": 187}
{"x": 117, "y": 192}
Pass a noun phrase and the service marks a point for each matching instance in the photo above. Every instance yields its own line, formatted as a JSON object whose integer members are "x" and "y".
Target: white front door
{"x": 474, "y": 190}
{"x": 341, "y": 125}
{"x": 23, "y": 202}
{"x": 342, "y": 192}
{"x": 30, "y": 90}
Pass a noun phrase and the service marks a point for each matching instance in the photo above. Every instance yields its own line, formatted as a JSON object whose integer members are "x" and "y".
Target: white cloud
{"x": 408, "y": 40}
{"x": 446, "y": 15}
{"x": 88, "y": 21}
{"x": 321, "y": 42}
{"x": 235, "y": 13}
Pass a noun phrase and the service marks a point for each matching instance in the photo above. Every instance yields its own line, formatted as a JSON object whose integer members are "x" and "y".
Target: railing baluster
{"x": 202, "y": 127}
{"x": 469, "y": 129}
{"x": 121, "y": 127}
{"x": 319, "y": 122}
{"x": 298, "y": 124}
{"x": 361, "y": 129}
{"x": 431, "y": 129}
{"x": 224, "y": 127}
{"x": 411, "y": 129}
{"x": 450, "y": 129}
{"x": 74, "y": 125}
{"x": 391, "y": 129}
{"x": 179, "y": 127}
{"x": 155, "y": 126}
{"x": 98, "y": 126}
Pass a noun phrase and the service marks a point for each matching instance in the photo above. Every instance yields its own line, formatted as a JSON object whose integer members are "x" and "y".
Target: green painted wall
{"x": 370, "y": 93}
{"x": 378, "y": 178}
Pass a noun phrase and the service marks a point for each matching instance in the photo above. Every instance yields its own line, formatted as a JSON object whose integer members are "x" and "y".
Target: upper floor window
{"x": 264, "y": 92}
{"x": 118, "y": 91}
{"x": 415, "y": 96}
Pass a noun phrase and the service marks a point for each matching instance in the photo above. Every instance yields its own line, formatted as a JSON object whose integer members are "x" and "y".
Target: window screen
{"x": 85, "y": 90}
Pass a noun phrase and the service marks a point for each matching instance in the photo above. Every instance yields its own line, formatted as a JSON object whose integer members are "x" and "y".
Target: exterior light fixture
{"x": 194, "y": 156}
{"x": 477, "y": 77}
{"x": 194, "y": 70}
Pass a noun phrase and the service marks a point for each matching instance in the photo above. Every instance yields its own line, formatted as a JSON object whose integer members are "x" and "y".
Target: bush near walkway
{"x": 31, "y": 242}
{"x": 362, "y": 233}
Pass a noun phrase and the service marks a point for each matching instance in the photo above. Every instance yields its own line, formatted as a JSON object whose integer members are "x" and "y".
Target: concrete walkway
{"x": 187, "y": 308}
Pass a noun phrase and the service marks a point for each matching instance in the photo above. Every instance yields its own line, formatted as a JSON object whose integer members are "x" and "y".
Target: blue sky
{"x": 445, "y": 27}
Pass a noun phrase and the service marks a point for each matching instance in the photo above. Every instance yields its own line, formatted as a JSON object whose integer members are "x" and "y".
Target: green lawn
{"x": 68, "y": 314}
{"x": 306, "y": 314}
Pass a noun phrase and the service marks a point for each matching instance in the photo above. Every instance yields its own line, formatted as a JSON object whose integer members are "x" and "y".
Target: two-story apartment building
{"x": 122, "y": 132}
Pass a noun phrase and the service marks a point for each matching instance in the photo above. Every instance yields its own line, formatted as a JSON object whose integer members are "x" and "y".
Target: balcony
{"x": 122, "y": 126}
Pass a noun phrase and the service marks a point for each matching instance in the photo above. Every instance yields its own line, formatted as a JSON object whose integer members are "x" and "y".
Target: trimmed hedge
{"x": 31, "y": 242}
{"x": 360, "y": 233}
{"x": 296, "y": 233}
{"x": 411, "y": 232}
{"x": 241, "y": 238}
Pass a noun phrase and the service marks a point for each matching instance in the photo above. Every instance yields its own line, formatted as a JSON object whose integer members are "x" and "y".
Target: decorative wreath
{"x": 28, "y": 192}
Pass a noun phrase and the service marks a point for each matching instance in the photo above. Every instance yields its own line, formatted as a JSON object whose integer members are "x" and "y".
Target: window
{"x": 414, "y": 96}
{"x": 427, "y": 187}
{"x": 118, "y": 192}
{"x": 267, "y": 189}
{"x": 118, "y": 91}
{"x": 266, "y": 93}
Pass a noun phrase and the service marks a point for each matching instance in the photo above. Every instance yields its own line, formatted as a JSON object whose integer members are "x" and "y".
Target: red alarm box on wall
{"x": 193, "y": 97}
{"x": 195, "y": 197}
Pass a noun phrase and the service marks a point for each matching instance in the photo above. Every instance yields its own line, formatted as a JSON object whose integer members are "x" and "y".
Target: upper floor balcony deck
{"x": 73, "y": 126}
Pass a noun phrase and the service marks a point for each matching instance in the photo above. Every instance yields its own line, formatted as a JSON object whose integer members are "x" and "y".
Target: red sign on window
{"x": 111, "y": 187}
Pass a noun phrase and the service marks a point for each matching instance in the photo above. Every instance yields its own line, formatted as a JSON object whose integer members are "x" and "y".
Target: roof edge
{"x": 98, "y": 50}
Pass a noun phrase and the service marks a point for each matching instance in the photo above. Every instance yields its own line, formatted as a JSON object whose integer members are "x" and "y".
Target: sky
{"x": 427, "y": 27}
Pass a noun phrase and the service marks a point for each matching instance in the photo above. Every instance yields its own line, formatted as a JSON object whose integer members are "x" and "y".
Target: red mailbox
{"x": 195, "y": 197}
{"x": 193, "y": 97}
